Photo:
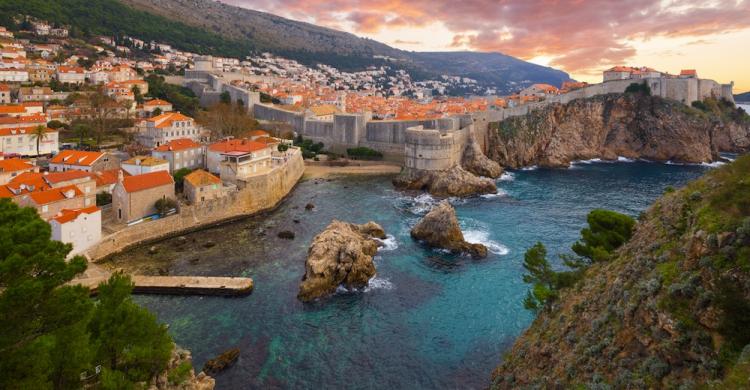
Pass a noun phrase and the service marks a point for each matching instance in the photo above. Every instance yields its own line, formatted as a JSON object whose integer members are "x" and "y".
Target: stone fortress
{"x": 430, "y": 144}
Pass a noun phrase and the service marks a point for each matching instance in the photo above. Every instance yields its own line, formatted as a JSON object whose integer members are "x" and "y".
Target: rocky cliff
{"x": 341, "y": 255}
{"x": 180, "y": 375}
{"x": 440, "y": 228}
{"x": 627, "y": 125}
{"x": 670, "y": 310}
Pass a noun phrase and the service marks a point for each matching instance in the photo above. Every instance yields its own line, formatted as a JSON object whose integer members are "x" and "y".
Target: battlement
{"x": 432, "y": 149}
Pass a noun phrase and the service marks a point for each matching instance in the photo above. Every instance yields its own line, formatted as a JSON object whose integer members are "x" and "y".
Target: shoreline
{"x": 325, "y": 171}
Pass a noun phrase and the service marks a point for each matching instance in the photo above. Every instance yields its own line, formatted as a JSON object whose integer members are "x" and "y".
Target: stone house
{"x": 156, "y": 131}
{"x": 249, "y": 152}
{"x": 21, "y": 141}
{"x": 43, "y": 94}
{"x": 10, "y": 168}
{"x": 201, "y": 186}
{"x": 134, "y": 197}
{"x": 71, "y": 74}
{"x": 51, "y": 201}
{"x": 4, "y": 94}
{"x": 148, "y": 108}
{"x": 82, "y": 160}
{"x": 81, "y": 228}
{"x": 180, "y": 153}
{"x": 139, "y": 165}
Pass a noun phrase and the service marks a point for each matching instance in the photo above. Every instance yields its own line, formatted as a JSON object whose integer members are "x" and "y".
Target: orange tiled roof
{"x": 73, "y": 174}
{"x": 14, "y": 165}
{"x": 156, "y": 102}
{"x": 178, "y": 144}
{"x": 166, "y": 119}
{"x": 21, "y": 130}
{"x": 76, "y": 157}
{"x": 201, "y": 178}
{"x": 688, "y": 72}
{"x": 36, "y": 118}
{"x": 108, "y": 177}
{"x": 237, "y": 145}
{"x": 258, "y": 133}
{"x": 147, "y": 180}
{"x": 12, "y": 109}
{"x": 67, "y": 215}
{"x": 146, "y": 161}
{"x": 55, "y": 194}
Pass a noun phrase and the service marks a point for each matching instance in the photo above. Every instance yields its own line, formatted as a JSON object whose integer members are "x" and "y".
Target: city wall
{"x": 259, "y": 194}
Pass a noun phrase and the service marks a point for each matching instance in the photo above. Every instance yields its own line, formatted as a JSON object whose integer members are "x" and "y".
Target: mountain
{"x": 742, "y": 97}
{"x": 209, "y": 27}
{"x": 670, "y": 309}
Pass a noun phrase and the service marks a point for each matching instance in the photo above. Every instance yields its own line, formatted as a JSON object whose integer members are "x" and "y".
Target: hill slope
{"x": 308, "y": 43}
{"x": 671, "y": 309}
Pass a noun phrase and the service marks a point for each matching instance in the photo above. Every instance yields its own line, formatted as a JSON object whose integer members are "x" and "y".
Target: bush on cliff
{"x": 606, "y": 232}
{"x": 48, "y": 332}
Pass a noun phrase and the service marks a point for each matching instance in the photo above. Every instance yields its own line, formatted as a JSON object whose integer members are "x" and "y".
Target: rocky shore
{"x": 609, "y": 126}
{"x": 341, "y": 255}
{"x": 440, "y": 229}
{"x": 180, "y": 375}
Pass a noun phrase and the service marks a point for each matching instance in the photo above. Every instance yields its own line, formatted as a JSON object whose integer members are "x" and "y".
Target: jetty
{"x": 178, "y": 285}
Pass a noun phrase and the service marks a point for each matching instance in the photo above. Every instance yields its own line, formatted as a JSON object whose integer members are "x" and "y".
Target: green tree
{"x": 607, "y": 231}
{"x": 36, "y": 306}
{"x": 540, "y": 275}
{"x": 164, "y": 205}
{"x": 225, "y": 98}
{"x": 39, "y": 134}
{"x": 179, "y": 177}
{"x": 137, "y": 94}
{"x": 131, "y": 345}
{"x": 156, "y": 112}
{"x": 81, "y": 130}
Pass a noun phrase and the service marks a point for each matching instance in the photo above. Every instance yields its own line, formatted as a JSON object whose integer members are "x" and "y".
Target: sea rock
{"x": 455, "y": 181}
{"x": 341, "y": 255}
{"x": 286, "y": 234}
{"x": 221, "y": 362}
{"x": 188, "y": 381}
{"x": 439, "y": 228}
{"x": 609, "y": 126}
{"x": 309, "y": 206}
{"x": 474, "y": 161}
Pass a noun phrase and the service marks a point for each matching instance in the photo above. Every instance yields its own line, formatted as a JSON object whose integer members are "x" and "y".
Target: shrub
{"x": 180, "y": 374}
{"x": 179, "y": 177}
{"x": 364, "y": 153}
{"x": 641, "y": 88}
{"x": 283, "y": 147}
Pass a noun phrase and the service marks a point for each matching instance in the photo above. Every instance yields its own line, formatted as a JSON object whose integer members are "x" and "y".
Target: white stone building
{"x": 80, "y": 227}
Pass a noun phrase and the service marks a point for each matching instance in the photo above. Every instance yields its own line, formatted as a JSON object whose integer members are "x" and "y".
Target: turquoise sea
{"x": 428, "y": 320}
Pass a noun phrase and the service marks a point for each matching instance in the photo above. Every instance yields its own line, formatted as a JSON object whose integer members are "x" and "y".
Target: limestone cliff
{"x": 340, "y": 256}
{"x": 474, "y": 161}
{"x": 180, "y": 375}
{"x": 608, "y": 126}
{"x": 671, "y": 310}
{"x": 439, "y": 228}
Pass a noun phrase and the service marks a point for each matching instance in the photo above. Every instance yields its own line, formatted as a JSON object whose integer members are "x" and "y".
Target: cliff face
{"x": 671, "y": 309}
{"x": 608, "y": 126}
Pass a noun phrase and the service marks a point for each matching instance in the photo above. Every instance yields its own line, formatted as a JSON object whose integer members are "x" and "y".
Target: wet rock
{"x": 286, "y": 234}
{"x": 209, "y": 244}
{"x": 440, "y": 228}
{"x": 181, "y": 240}
{"x": 341, "y": 255}
{"x": 188, "y": 380}
{"x": 221, "y": 362}
{"x": 295, "y": 220}
{"x": 455, "y": 181}
{"x": 309, "y": 206}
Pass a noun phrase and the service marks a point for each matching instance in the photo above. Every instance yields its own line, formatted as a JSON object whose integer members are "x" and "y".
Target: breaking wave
{"x": 389, "y": 243}
{"x": 500, "y": 192}
{"x": 482, "y": 237}
{"x": 507, "y": 176}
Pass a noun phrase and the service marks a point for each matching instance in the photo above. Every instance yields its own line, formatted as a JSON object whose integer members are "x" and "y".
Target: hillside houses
{"x": 170, "y": 126}
{"x": 82, "y": 160}
{"x": 181, "y": 153}
{"x": 134, "y": 197}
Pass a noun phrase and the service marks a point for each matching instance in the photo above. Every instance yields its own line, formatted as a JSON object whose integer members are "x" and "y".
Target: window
{"x": 119, "y": 213}
{"x": 45, "y": 208}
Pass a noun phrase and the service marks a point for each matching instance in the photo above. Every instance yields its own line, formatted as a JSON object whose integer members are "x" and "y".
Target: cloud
{"x": 403, "y": 42}
{"x": 577, "y": 35}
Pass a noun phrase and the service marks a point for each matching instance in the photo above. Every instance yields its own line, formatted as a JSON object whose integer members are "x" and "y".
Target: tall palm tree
{"x": 39, "y": 133}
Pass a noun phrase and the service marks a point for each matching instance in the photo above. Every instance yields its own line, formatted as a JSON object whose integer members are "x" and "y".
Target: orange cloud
{"x": 579, "y": 36}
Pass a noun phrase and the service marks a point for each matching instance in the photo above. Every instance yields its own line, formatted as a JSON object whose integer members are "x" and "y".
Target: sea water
{"x": 429, "y": 319}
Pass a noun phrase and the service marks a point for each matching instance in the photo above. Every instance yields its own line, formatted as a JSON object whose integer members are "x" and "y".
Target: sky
{"x": 578, "y": 36}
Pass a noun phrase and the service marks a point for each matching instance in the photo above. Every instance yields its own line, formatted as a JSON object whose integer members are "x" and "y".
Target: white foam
{"x": 500, "y": 192}
{"x": 714, "y": 164}
{"x": 531, "y": 168}
{"x": 482, "y": 237}
{"x": 377, "y": 283}
{"x": 624, "y": 159}
{"x": 389, "y": 243}
{"x": 507, "y": 176}
{"x": 422, "y": 204}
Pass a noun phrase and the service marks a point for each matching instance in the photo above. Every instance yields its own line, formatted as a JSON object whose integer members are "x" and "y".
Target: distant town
{"x": 103, "y": 135}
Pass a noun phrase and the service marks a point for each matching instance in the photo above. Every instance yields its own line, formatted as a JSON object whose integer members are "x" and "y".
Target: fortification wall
{"x": 269, "y": 113}
{"x": 431, "y": 149}
{"x": 259, "y": 194}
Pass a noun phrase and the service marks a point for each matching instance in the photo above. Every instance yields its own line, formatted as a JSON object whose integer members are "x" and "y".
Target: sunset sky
{"x": 580, "y": 37}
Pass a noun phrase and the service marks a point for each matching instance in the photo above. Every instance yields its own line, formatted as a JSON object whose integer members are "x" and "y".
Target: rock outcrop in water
{"x": 439, "y": 228}
{"x": 670, "y": 310}
{"x": 451, "y": 182}
{"x": 628, "y": 125}
{"x": 341, "y": 255}
{"x": 174, "y": 378}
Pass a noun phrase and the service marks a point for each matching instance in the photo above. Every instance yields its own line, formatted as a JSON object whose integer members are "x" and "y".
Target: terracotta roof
{"x": 178, "y": 144}
{"x": 76, "y": 157}
{"x": 146, "y": 161}
{"x": 70, "y": 69}
{"x": 258, "y": 133}
{"x": 67, "y": 215}
{"x": 22, "y": 130}
{"x": 14, "y": 165}
{"x": 21, "y": 120}
{"x": 325, "y": 109}
{"x": 108, "y": 177}
{"x": 156, "y": 102}
{"x": 147, "y": 180}
{"x": 4, "y": 87}
{"x": 201, "y": 178}
{"x": 688, "y": 72}
{"x": 12, "y": 109}
{"x": 237, "y": 145}
{"x": 55, "y": 194}
{"x": 166, "y": 119}
{"x": 73, "y": 174}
